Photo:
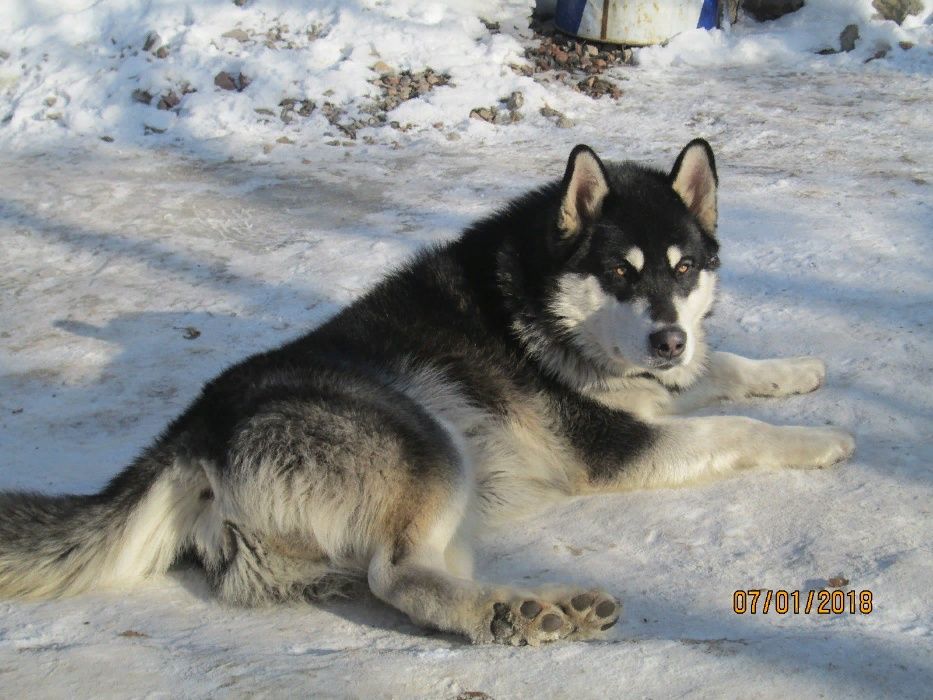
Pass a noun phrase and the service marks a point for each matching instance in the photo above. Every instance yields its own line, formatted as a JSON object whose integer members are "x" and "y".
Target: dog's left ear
{"x": 583, "y": 190}
{"x": 694, "y": 180}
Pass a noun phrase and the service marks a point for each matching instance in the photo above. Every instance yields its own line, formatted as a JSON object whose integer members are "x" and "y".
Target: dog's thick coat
{"x": 542, "y": 354}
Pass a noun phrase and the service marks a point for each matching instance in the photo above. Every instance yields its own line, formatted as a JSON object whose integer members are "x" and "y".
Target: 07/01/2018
{"x": 823, "y": 602}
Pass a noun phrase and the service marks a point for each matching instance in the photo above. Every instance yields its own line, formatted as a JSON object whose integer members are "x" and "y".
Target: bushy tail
{"x": 62, "y": 545}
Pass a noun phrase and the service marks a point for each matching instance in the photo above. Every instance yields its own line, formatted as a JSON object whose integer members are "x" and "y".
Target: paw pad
{"x": 530, "y": 609}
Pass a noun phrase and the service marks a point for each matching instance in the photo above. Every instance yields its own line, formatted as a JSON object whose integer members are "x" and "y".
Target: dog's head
{"x": 638, "y": 254}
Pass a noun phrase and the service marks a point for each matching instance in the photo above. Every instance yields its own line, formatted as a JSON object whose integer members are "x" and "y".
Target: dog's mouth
{"x": 662, "y": 365}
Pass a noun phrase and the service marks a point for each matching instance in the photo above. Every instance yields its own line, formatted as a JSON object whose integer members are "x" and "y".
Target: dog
{"x": 549, "y": 351}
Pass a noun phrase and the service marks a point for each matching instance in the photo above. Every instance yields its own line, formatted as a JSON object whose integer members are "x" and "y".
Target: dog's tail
{"x": 60, "y": 545}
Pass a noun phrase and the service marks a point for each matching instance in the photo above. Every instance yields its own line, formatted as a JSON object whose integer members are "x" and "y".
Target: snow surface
{"x": 109, "y": 252}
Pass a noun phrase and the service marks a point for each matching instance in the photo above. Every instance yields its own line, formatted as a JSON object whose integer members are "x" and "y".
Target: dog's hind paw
{"x": 537, "y": 619}
{"x": 591, "y": 612}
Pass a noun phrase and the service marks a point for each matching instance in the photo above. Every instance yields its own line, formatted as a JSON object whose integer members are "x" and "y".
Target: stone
{"x": 382, "y": 68}
{"x": 162, "y": 52}
{"x": 848, "y": 37}
{"x": 169, "y": 101}
{"x": 516, "y": 101}
{"x": 142, "y": 96}
{"x": 765, "y": 10}
{"x": 897, "y": 10}
{"x": 225, "y": 81}
{"x": 238, "y": 34}
{"x": 152, "y": 41}
{"x": 564, "y": 122}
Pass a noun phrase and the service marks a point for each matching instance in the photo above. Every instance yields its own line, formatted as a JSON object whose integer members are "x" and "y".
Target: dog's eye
{"x": 683, "y": 266}
{"x": 621, "y": 271}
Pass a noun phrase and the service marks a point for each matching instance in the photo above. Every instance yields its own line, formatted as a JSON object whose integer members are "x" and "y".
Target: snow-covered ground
{"x": 133, "y": 270}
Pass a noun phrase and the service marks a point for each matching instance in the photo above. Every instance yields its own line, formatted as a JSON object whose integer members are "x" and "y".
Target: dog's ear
{"x": 694, "y": 180}
{"x": 583, "y": 190}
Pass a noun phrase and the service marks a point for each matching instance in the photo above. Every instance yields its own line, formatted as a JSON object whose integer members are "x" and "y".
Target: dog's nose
{"x": 668, "y": 342}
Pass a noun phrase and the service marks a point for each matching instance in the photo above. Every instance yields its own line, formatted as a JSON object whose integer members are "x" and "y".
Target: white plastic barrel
{"x": 633, "y": 22}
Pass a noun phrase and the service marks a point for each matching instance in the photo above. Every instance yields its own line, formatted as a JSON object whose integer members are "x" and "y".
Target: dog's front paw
{"x": 788, "y": 376}
{"x": 818, "y": 448}
{"x": 808, "y": 374}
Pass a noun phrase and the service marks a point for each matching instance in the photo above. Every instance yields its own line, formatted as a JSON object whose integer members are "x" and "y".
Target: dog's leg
{"x": 417, "y": 583}
{"x": 690, "y": 449}
{"x": 734, "y": 378}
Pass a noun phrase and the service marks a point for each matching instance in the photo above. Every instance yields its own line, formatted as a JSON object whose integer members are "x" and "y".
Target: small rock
{"x": 591, "y": 50}
{"x": 50, "y": 101}
{"x": 453, "y": 136}
{"x": 483, "y": 113}
{"x": 237, "y": 34}
{"x": 837, "y": 582}
{"x": 224, "y": 81}
{"x": 4, "y": 55}
{"x": 906, "y": 45}
{"x": 153, "y": 41}
{"x": 190, "y": 333}
{"x": 264, "y": 111}
{"x": 169, "y": 101}
{"x": 516, "y": 101}
{"x": 283, "y": 139}
{"x": 152, "y": 130}
{"x": 564, "y": 122}
{"x": 240, "y": 3}
{"x": 881, "y": 50}
{"x": 897, "y": 10}
{"x": 848, "y": 37}
{"x": 547, "y": 111}
{"x": 107, "y": 139}
{"x": 142, "y": 96}
{"x": 132, "y": 633}
{"x": 515, "y": 116}
{"x": 162, "y": 52}
{"x": 382, "y": 68}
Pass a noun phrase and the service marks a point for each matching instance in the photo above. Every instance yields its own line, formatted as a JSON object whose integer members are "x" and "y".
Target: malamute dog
{"x": 547, "y": 352}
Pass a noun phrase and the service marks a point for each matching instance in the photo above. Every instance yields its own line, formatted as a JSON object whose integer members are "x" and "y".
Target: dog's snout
{"x": 668, "y": 342}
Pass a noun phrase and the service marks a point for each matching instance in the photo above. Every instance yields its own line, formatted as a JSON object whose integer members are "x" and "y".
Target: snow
{"x": 109, "y": 252}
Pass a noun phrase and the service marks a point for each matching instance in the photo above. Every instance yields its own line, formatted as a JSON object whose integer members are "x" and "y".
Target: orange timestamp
{"x": 822, "y": 602}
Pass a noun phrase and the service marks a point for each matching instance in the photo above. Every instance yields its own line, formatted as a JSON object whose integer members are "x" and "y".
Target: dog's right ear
{"x": 583, "y": 190}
